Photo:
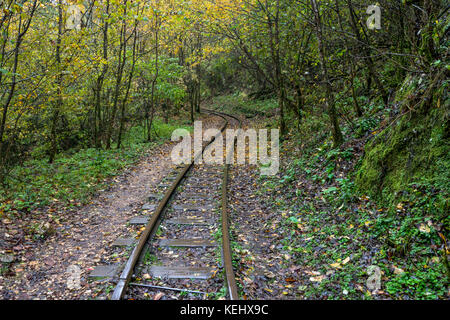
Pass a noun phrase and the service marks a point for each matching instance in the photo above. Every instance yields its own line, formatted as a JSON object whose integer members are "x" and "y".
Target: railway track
{"x": 185, "y": 247}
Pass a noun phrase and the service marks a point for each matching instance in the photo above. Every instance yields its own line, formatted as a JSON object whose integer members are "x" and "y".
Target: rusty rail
{"x": 226, "y": 245}
{"x": 153, "y": 224}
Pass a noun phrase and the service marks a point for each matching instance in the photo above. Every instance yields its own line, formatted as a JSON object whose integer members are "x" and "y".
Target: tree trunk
{"x": 130, "y": 78}
{"x": 99, "y": 83}
{"x": 274, "y": 32}
{"x": 365, "y": 48}
{"x": 336, "y": 131}
{"x": 21, "y": 31}
{"x": 59, "y": 102}
{"x": 152, "y": 100}
{"x": 120, "y": 67}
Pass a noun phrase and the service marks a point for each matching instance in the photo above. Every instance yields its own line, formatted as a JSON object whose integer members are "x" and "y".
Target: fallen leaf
{"x": 424, "y": 228}
{"x": 158, "y": 296}
{"x": 398, "y": 270}
{"x": 317, "y": 279}
{"x": 290, "y": 280}
{"x": 336, "y": 265}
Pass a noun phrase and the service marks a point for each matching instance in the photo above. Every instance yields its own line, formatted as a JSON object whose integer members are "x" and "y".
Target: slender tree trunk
{"x": 299, "y": 105}
{"x": 121, "y": 64}
{"x": 152, "y": 100}
{"x": 191, "y": 104}
{"x": 59, "y": 102}
{"x": 370, "y": 64}
{"x": 273, "y": 26}
{"x": 198, "y": 74}
{"x": 100, "y": 80}
{"x": 130, "y": 78}
{"x": 22, "y": 30}
{"x": 336, "y": 131}
{"x": 356, "y": 105}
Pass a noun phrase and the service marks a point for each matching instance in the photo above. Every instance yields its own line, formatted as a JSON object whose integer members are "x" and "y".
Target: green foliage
{"x": 423, "y": 285}
{"x": 239, "y": 103}
{"x": 164, "y": 130}
{"x": 169, "y": 86}
{"x": 365, "y": 125}
{"x": 71, "y": 180}
{"x": 343, "y": 193}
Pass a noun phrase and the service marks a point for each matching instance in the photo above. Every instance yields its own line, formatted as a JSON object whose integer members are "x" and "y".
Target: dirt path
{"x": 83, "y": 237}
{"x": 264, "y": 270}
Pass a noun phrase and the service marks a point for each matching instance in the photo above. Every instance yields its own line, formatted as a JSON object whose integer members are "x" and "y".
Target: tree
{"x": 336, "y": 131}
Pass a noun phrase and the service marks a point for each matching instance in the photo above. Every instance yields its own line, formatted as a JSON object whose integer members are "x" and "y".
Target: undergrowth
{"x": 336, "y": 231}
{"x": 239, "y": 103}
{"x": 74, "y": 176}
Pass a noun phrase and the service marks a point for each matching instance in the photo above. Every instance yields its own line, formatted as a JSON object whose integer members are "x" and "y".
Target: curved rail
{"x": 153, "y": 224}
{"x": 226, "y": 246}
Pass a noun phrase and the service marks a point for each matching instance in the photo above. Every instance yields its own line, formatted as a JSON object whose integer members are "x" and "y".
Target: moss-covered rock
{"x": 414, "y": 148}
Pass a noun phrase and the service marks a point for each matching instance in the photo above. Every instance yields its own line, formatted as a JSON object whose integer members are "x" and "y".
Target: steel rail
{"x": 153, "y": 223}
{"x": 226, "y": 245}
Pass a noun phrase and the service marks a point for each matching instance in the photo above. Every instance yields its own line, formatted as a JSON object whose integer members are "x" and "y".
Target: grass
{"x": 239, "y": 104}
{"x": 150, "y": 259}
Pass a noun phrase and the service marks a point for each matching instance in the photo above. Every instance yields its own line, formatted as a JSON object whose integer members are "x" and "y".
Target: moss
{"x": 413, "y": 149}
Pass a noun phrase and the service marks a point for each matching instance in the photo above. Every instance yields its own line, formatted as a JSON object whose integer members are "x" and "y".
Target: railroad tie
{"x": 124, "y": 242}
{"x": 149, "y": 207}
{"x": 190, "y": 221}
{"x": 155, "y": 197}
{"x": 188, "y": 243}
{"x": 185, "y": 207}
{"x": 181, "y": 272}
{"x": 197, "y": 195}
{"x": 106, "y": 271}
{"x": 138, "y": 220}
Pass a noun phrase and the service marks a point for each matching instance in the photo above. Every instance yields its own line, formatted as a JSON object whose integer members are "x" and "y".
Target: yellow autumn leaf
{"x": 336, "y": 265}
{"x": 424, "y": 228}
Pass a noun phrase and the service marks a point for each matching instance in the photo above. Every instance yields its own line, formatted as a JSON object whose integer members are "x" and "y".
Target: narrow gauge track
{"x": 185, "y": 259}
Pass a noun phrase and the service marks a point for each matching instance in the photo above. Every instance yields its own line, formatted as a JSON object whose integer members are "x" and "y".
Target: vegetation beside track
{"x": 74, "y": 176}
{"x": 335, "y": 231}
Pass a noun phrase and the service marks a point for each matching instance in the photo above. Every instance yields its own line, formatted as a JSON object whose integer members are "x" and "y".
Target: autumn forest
{"x": 92, "y": 90}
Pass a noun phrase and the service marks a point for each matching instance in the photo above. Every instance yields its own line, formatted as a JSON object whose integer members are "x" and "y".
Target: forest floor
{"x": 82, "y": 236}
{"x": 302, "y": 234}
